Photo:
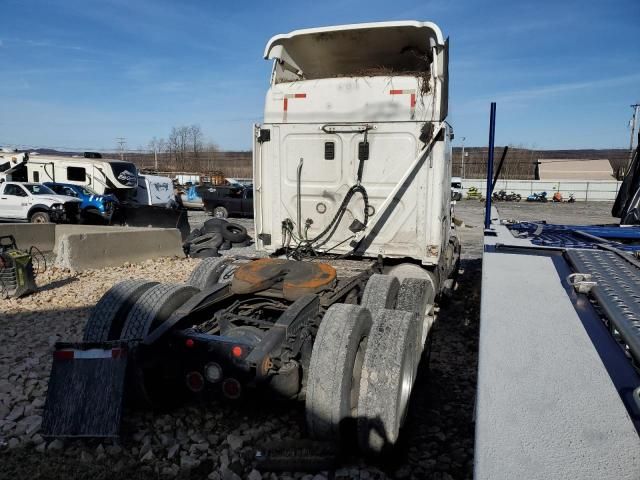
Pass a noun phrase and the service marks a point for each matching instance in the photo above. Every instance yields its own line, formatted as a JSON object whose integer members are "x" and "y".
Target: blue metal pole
{"x": 492, "y": 134}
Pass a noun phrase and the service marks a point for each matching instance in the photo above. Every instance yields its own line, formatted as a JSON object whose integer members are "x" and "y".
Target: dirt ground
{"x": 219, "y": 440}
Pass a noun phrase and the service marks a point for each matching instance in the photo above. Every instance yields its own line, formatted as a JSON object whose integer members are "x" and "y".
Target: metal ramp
{"x": 617, "y": 290}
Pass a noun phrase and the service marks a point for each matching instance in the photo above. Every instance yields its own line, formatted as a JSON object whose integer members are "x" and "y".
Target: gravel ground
{"x": 219, "y": 439}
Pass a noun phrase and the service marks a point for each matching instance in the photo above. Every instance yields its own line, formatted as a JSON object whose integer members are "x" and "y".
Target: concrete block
{"x": 82, "y": 251}
{"x": 68, "y": 229}
{"x": 39, "y": 235}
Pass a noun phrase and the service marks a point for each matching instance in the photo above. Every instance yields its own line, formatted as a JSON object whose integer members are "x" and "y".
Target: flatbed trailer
{"x": 558, "y": 380}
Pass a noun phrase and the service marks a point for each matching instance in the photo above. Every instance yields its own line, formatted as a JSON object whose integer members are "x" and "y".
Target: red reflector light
{"x": 237, "y": 351}
{"x": 63, "y": 354}
{"x": 231, "y": 388}
{"x": 195, "y": 381}
{"x": 189, "y": 342}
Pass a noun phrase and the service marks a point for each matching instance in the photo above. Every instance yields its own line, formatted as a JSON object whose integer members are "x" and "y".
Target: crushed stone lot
{"x": 218, "y": 439}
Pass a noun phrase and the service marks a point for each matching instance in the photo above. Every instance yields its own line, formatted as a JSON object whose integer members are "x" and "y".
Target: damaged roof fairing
{"x": 350, "y": 50}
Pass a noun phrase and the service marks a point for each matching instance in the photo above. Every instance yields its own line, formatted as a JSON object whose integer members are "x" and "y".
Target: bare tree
{"x": 196, "y": 139}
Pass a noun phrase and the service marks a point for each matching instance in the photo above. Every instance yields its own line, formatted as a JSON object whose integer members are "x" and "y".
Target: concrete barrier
{"x": 39, "y": 235}
{"x": 82, "y": 251}
{"x": 68, "y": 229}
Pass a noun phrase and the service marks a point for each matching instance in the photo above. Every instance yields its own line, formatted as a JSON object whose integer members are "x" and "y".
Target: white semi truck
{"x": 352, "y": 187}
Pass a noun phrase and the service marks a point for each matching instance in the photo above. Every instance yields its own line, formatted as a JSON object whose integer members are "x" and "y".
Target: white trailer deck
{"x": 555, "y": 390}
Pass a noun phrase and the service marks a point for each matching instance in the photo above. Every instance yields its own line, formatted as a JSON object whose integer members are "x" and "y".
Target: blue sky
{"x": 79, "y": 73}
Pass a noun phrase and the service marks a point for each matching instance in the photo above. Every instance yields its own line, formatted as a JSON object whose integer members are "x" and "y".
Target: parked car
{"x": 232, "y": 201}
{"x": 36, "y": 203}
{"x": 93, "y": 207}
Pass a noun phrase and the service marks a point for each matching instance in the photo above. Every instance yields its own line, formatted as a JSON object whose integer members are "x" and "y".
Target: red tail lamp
{"x": 195, "y": 381}
{"x": 231, "y": 388}
{"x": 237, "y": 351}
{"x": 189, "y": 343}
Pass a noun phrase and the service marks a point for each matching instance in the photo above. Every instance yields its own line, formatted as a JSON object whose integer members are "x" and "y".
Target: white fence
{"x": 592, "y": 190}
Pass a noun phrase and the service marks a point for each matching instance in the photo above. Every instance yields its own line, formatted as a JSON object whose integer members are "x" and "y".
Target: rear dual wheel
{"x": 364, "y": 363}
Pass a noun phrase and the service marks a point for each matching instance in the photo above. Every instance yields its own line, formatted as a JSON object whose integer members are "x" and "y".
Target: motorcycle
{"x": 503, "y": 196}
{"x": 537, "y": 197}
{"x": 557, "y": 197}
{"x": 572, "y": 199}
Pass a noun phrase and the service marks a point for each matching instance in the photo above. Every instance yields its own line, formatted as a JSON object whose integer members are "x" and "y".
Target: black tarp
{"x": 627, "y": 204}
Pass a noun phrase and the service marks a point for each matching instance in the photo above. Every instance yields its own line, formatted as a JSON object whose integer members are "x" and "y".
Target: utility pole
{"x": 635, "y": 107}
{"x": 121, "y": 144}
{"x": 462, "y": 155}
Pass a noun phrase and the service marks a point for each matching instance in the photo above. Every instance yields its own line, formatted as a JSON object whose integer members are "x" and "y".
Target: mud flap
{"x": 86, "y": 390}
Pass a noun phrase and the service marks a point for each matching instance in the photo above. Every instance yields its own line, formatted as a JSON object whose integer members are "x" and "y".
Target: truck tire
{"x": 208, "y": 272}
{"x": 380, "y": 292}
{"x": 416, "y": 295}
{"x": 204, "y": 252}
{"x": 108, "y": 315}
{"x": 213, "y": 225}
{"x": 334, "y": 371}
{"x": 234, "y": 233}
{"x": 40, "y": 217}
{"x": 208, "y": 240}
{"x": 220, "y": 212}
{"x": 387, "y": 378}
{"x": 154, "y": 307}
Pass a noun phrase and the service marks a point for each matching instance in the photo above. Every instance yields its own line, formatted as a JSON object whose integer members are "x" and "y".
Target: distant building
{"x": 574, "y": 169}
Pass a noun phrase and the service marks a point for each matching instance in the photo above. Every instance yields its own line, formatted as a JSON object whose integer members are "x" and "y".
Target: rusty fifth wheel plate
{"x": 294, "y": 278}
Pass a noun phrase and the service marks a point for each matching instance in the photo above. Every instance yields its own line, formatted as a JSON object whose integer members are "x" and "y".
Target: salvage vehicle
{"x": 225, "y": 201}
{"x": 36, "y": 203}
{"x": 353, "y": 205}
{"x": 93, "y": 207}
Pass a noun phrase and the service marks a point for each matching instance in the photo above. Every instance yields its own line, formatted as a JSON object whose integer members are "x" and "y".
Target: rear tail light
{"x": 231, "y": 388}
{"x": 195, "y": 381}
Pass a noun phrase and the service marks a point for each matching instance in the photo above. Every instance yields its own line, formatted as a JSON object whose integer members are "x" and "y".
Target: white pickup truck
{"x": 36, "y": 203}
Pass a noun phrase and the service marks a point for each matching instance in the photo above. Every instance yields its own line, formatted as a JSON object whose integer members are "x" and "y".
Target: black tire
{"x": 195, "y": 233}
{"x": 388, "y": 374}
{"x": 416, "y": 295}
{"x": 154, "y": 307}
{"x": 245, "y": 243}
{"x": 205, "y": 252}
{"x": 213, "y": 225}
{"x": 220, "y": 212}
{"x": 380, "y": 292}
{"x": 208, "y": 272}
{"x": 208, "y": 240}
{"x": 234, "y": 233}
{"x": 40, "y": 217}
{"x": 107, "y": 317}
{"x": 334, "y": 371}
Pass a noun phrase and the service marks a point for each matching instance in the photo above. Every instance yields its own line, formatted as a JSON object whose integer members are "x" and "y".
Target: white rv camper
{"x": 103, "y": 175}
